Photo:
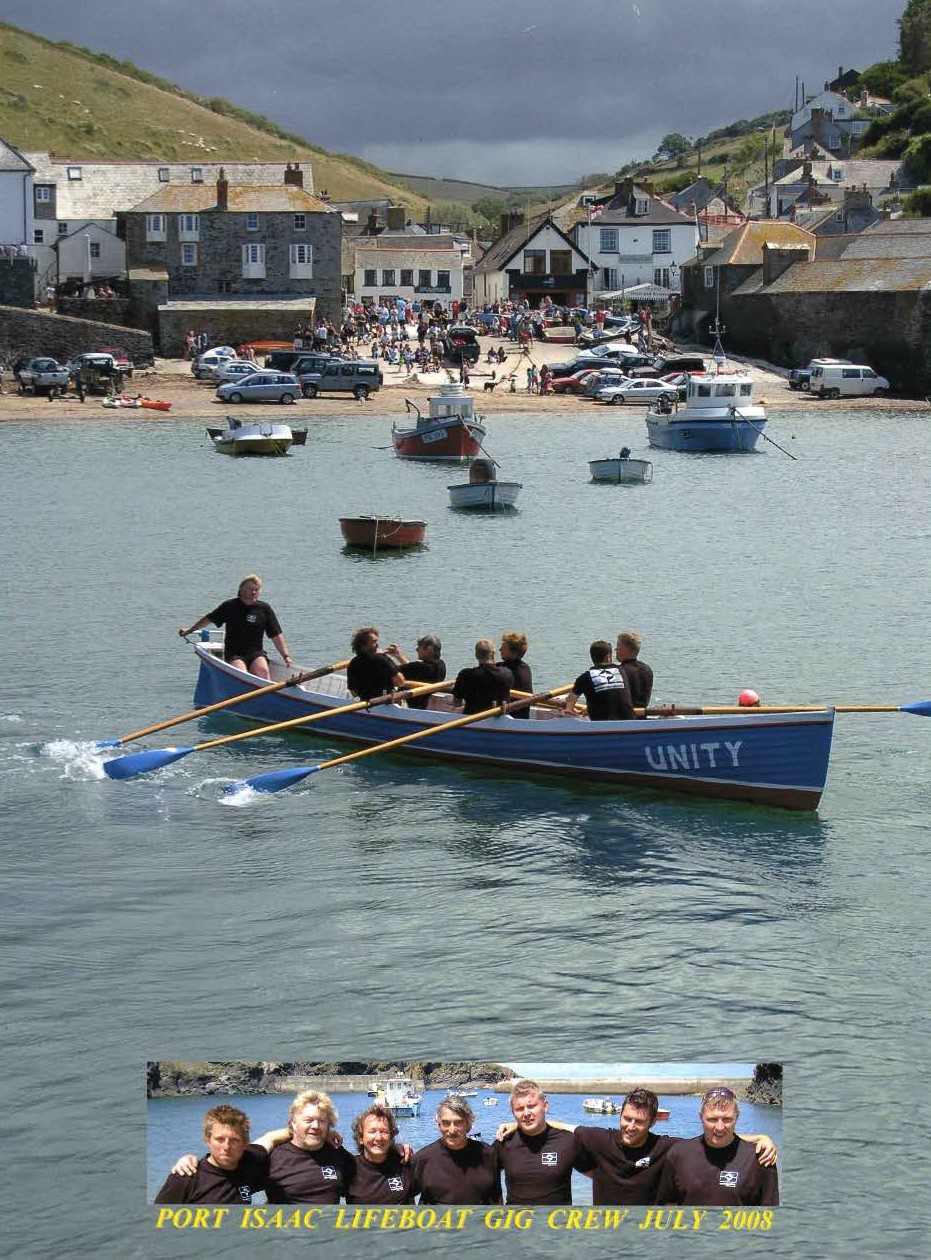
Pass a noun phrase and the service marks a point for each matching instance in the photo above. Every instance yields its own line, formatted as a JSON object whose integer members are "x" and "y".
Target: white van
{"x": 846, "y": 380}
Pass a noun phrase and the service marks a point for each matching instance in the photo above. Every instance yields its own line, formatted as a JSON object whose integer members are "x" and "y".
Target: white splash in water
{"x": 11, "y": 717}
{"x": 80, "y": 759}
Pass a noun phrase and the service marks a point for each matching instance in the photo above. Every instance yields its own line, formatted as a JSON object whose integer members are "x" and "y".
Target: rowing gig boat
{"x": 767, "y": 759}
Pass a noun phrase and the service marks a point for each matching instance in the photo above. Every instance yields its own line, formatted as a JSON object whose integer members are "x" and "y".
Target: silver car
{"x": 636, "y": 391}
{"x": 234, "y": 370}
{"x": 280, "y": 387}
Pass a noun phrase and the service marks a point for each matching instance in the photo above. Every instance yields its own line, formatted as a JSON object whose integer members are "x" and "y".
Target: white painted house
{"x": 16, "y": 213}
{"x": 422, "y": 268}
{"x": 532, "y": 261}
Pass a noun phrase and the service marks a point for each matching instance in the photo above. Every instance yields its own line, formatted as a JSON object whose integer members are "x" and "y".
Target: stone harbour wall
{"x": 27, "y": 332}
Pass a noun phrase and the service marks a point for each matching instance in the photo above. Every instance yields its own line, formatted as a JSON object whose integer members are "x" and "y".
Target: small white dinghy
{"x": 252, "y": 438}
{"x": 484, "y": 492}
{"x": 621, "y": 470}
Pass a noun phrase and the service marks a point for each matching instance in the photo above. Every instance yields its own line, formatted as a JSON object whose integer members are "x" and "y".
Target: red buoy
{"x": 748, "y": 699}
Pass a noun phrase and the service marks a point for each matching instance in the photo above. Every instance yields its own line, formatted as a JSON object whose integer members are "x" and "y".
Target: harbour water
{"x": 402, "y": 909}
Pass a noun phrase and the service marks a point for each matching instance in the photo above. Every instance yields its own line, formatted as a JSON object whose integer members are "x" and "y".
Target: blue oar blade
{"x": 921, "y": 707}
{"x": 142, "y": 762}
{"x": 107, "y": 743}
{"x": 274, "y": 781}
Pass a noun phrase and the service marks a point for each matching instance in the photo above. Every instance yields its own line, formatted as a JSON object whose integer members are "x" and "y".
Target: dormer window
{"x": 74, "y": 172}
{"x": 197, "y": 175}
{"x": 641, "y": 205}
{"x": 163, "y": 174}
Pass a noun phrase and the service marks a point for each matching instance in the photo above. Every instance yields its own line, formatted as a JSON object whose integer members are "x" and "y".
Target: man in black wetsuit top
{"x": 537, "y": 1159}
{"x": 485, "y": 684}
{"x": 247, "y": 619}
{"x": 513, "y": 649}
{"x": 232, "y": 1170}
{"x": 638, "y": 674}
{"x": 380, "y": 1174}
{"x": 371, "y": 672}
{"x": 457, "y": 1168}
{"x": 604, "y": 687}
{"x": 717, "y": 1169}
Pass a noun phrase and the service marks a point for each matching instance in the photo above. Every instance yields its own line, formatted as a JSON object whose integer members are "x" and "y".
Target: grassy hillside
{"x": 115, "y": 110}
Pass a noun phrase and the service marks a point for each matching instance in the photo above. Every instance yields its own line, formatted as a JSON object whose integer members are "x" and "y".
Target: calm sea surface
{"x": 396, "y": 908}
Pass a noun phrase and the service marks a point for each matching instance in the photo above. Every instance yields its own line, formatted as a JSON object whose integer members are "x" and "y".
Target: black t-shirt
{"x": 423, "y": 672}
{"x": 299, "y": 1176}
{"x": 216, "y": 1185}
{"x": 640, "y": 680}
{"x": 246, "y": 627}
{"x": 606, "y": 692}
{"x": 371, "y": 676}
{"x": 523, "y": 681}
{"x": 388, "y": 1182}
{"x": 705, "y": 1176}
{"x": 467, "y": 1176}
{"x": 483, "y": 686}
{"x": 622, "y": 1174}
{"x": 538, "y": 1168}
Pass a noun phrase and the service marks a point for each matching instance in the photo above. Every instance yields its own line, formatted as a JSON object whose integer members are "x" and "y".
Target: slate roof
{"x": 619, "y": 209}
{"x": 108, "y": 187}
{"x": 844, "y": 275}
{"x": 875, "y": 173}
{"x": 744, "y": 246}
{"x": 12, "y": 160}
{"x": 893, "y": 239}
{"x": 395, "y": 241}
{"x": 197, "y": 198}
{"x": 505, "y": 247}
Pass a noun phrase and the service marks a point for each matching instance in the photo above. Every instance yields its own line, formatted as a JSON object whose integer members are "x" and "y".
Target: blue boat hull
{"x": 779, "y": 759}
{"x": 725, "y": 436}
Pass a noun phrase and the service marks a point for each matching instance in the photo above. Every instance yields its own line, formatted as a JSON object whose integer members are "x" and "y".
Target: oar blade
{"x": 143, "y": 762}
{"x": 108, "y": 743}
{"x": 273, "y": 781}
{"x": 921, "y": 707}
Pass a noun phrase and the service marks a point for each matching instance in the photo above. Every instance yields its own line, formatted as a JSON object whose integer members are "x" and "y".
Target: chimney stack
{"x": 223, "y": 191}
{"x": 294, "y": 175}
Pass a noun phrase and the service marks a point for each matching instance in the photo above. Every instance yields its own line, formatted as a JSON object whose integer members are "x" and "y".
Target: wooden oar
{"x": 143, "y": 762}
{"x": 921, "y": 707}
{"x": 222, "y": 704}
{"x": 277, "y": 780}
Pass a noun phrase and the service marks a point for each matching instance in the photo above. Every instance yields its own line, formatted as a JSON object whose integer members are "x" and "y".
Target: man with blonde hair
{"x": 638, "y": 674}
{"x": 513, "y": 650}
{"x": 537, "y": 1159}
{"x": 248, "y": 620}
{"x": 307, "y": 1168}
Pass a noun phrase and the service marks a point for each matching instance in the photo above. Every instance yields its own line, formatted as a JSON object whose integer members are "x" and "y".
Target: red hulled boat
{"x": 378, "y": 532}
{"x": 451, "y": 432}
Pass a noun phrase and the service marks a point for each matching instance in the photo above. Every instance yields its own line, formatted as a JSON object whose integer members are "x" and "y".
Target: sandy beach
{"x": 172, "y": 381}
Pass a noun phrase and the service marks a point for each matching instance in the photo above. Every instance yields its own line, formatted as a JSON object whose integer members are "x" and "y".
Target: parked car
{"x": 574, "y": 383}
{"x": 95, "y": 373}
{"x": 603, "y": 377}
{"x": 360, "y": 377}
{"x": 635, "y": 391}
{"x": 667, "y": 363}
{"x": 839, "y": 380}
{"x": 460, "y": 345}
{"x": 611, "y": 352}
{"x": 204, "y": 363}
{"x": 281, "y": 387}
{"x": 41, "y": 376}
{"x": 121, "y": 358}
{"x": 232, "y": 370}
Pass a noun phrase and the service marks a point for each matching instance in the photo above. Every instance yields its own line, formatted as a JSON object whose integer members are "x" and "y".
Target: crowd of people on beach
{"x": 617, "y": 684}
{"x": 530, "y": 1162}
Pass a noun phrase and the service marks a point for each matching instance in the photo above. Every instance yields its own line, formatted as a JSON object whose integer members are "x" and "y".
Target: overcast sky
{"x": 505, "y": 92}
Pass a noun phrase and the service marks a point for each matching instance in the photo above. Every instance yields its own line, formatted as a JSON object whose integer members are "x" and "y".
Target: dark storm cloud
{"x": 521, "y": 91}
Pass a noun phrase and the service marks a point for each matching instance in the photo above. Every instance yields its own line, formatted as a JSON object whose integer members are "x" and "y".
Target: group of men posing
{"x": 611, "y": 688}
{"x": 535, "y": 1157}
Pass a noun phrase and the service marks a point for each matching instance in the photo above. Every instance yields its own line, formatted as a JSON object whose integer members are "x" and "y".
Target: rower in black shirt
{"x": 513, "y": 649}
{"x": 371, "y": 672}
{"x": 485, "y": 684}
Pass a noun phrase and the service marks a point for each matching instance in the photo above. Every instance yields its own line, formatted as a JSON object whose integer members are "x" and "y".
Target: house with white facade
{"x": 416, "y": 267}
{"x": 16, "y": 175}
{"x": 533, "y": 260}
{"x": 635, "y": 238}
{"x": 835, "y": 122}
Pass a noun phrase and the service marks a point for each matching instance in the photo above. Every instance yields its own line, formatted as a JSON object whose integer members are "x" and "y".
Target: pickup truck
{"x": 42, "y": 376}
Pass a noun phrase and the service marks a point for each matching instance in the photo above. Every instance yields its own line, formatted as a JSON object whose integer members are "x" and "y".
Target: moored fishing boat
{"x": 621, "y": 469}
{"x": 257, "y": 437}
{"x": 600, "y": 1106}
{"x": 450, "y": 432}
{"x": 400, "y": 1095}
{"x": 378, "y": 532}
{"x": 718, "y": 415}
{"x": 766, "y": 758}
{"x": 483, "y": 491}
{"x": 298, "y": 436}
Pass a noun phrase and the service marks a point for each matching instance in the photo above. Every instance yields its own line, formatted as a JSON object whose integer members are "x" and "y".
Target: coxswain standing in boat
{"x": 247, "y": 619}
{"x": 429, "y": 666}
{"x": 485, "y": 684}
{"x": 638, "y": 674}
{"x": 513, "y": 649}
{"x": 372, "y": 672}
{"x": 604, "y": 686}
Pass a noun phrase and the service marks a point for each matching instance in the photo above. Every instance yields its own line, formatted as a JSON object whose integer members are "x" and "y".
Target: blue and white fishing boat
{"x": 766, "y": 758}
{"x": 718, "y": 415}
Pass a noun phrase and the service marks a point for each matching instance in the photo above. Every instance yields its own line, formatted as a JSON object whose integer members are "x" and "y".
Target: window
{"x": 560, "y": 261}
{"x": 425, "y": 279}
{"x": 155, "y": 227}
{"x": 662, "y": 241}
{"x": 74, "y": 172}
{"x": 93, "y": 249}
{"x": 38, "y": 236}
{"x": 252, "y": 222}
{"x": 641, "y": 205}
{"x": 62, "y": 229}
{"x": 607, "y": 240}
{"x": 387, "y": 277}
{"x": 370, "y": 277}
{"x": 661, "y": 277}
{"x": 43, "y": 193}
{"x": 301, "y": 262}
{"x": 407, "y": 279}
{"x": 709, "y": 277}
{"x": 253, "y": 262}
{"x": 442, "y": 280}
{"x": 837, "y": 173}
{"x": 300, "y": 223}
{"x": 610, "y": 279}
{"x": 163, "y": 174}
{"x": 188, "y": 227}
{"x": 197, "y": 175}
{"x": 534, "y": 262}
{"x": 188, "y": 255}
